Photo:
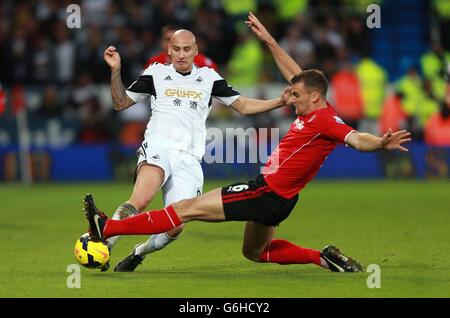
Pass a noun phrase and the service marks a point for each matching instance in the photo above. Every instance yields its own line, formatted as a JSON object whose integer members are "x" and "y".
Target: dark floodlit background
{"x": 380, "y": 78}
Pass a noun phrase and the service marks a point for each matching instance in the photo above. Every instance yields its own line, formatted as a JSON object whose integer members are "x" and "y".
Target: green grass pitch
{"x": 402, "y": 226}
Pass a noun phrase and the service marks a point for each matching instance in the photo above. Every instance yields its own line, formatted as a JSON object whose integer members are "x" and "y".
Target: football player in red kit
{"x": 269, "y": 199}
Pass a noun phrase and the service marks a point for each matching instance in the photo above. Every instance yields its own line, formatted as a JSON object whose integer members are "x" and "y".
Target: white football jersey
{"x": 180, "y": 104}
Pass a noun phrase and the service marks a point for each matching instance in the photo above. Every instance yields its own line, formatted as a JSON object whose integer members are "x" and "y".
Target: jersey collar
{"x": 194, "y": 67}
{"x": 306, "y": 117}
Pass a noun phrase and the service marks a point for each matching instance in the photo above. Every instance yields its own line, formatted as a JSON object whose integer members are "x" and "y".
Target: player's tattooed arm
{"x": 119, "y": 96}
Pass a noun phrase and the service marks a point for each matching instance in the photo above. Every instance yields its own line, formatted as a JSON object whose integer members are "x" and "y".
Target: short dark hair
{"x": 313, "y": 80}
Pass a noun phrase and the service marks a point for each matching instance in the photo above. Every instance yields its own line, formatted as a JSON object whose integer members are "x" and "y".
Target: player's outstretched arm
{"x": 390, "y": 141}
{"x": 249, "y": 106}
{"x": 119, "y": 96}
{"x": 288, "y": 67}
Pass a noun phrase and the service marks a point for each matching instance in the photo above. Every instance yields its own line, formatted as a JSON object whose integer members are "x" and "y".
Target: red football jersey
{"x": 302, "y": 151}
{"x": 200, "y": 60}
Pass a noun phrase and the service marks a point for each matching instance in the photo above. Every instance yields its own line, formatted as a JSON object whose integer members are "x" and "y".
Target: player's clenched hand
{"x": 286, "y": 96}
{"x": 258, "y": 28}
{"x": 112, "y": 58}
{"x": 394, "y": 140}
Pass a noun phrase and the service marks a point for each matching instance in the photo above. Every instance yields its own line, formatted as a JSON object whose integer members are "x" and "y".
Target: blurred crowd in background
{"x": 58, "y": 72}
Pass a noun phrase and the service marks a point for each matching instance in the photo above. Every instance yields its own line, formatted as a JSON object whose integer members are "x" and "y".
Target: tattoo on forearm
{"x": 118, "y": 94}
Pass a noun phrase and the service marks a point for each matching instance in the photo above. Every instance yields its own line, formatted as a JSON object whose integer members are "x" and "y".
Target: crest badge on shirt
{"x": 299, "y": 124}
{"x": 339, "y": 120}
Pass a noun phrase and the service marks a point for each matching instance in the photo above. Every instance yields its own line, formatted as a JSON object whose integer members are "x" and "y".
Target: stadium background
{"x": 387, "y": 77}
{"x": 55, "y": 85}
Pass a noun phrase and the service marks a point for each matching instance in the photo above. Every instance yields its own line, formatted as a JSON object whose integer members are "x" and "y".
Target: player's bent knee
{"x": 176, "y": 231}
{"x": 180, "y": 227}
{"x": 183, "y": 208}
{"x": 190, "y": 209}
{"x": 183, "y": 205}
{"x": 141, "y": 203}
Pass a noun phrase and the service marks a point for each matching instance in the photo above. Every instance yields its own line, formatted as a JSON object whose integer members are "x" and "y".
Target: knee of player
{"x": 176, "y": 231}
{"x": 184, "y": 208}
{"x": 183, "y": 205}
{"x": 179, "y": 229}
{"x": 142, "y": 202}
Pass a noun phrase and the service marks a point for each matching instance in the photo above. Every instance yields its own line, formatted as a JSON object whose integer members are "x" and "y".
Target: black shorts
{"x": 255, "y": 201}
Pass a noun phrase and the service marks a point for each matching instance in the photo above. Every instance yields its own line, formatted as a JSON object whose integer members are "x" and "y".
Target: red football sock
{"x": 284, "y": 252}
{"x": 151, "y": 222}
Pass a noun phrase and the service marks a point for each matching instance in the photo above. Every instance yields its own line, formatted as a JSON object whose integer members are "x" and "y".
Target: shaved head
{"x": 182, "y": 50}
{"x": 184, "y": 36}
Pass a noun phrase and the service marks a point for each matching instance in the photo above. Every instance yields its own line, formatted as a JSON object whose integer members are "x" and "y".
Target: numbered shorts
{"x": 255, "y": 201}
{"x": 183, "y": 175}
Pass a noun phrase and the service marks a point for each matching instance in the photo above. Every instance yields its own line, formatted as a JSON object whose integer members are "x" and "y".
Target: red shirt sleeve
{"x": 337, "y": 130}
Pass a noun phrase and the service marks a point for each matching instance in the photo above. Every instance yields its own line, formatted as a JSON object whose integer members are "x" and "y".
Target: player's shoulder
{"x": 161, "y": 65}
{"x": 323, "y": 117}
{"x": 328, "y": 117}
{"x": 205, "y": 69}
{"x": 155, "y": 68}
{"x": 208, "y": 72}
{"x": 327, "y": 113}
{"x": 333, "y": 116}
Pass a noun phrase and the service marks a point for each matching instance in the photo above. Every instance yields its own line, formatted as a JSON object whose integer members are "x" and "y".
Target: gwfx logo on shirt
{"x": 183, "y": 93}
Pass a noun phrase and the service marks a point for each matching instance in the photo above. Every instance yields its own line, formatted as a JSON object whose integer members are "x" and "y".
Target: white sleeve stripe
{"x": 228, "y": 100}
{"x": 345, "y": 138}
{"x": 137, "y": 97}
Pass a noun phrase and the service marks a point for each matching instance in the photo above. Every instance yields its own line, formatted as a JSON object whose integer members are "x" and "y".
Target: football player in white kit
{"x": 169, "y": 158}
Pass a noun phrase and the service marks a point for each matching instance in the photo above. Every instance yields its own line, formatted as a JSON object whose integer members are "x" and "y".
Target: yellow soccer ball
{"x": 91, "y": 254}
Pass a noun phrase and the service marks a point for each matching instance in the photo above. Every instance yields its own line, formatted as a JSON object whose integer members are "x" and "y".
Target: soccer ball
{"x": 91, "y": 254}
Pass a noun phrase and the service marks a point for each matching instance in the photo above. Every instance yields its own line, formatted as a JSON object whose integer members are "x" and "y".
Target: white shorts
{"x": 183, "y": 175}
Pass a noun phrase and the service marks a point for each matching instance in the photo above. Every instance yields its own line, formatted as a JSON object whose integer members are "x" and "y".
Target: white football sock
{"x": 123, "y": 211}
{"x": 155, "y": 243}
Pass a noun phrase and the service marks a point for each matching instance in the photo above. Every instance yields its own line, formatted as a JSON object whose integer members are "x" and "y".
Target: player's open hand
{"x": 258, "y": 28}
{"x": 394, "y": 140}
{"x": 112, "y": 58}
{"x": 286, "y": 96}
